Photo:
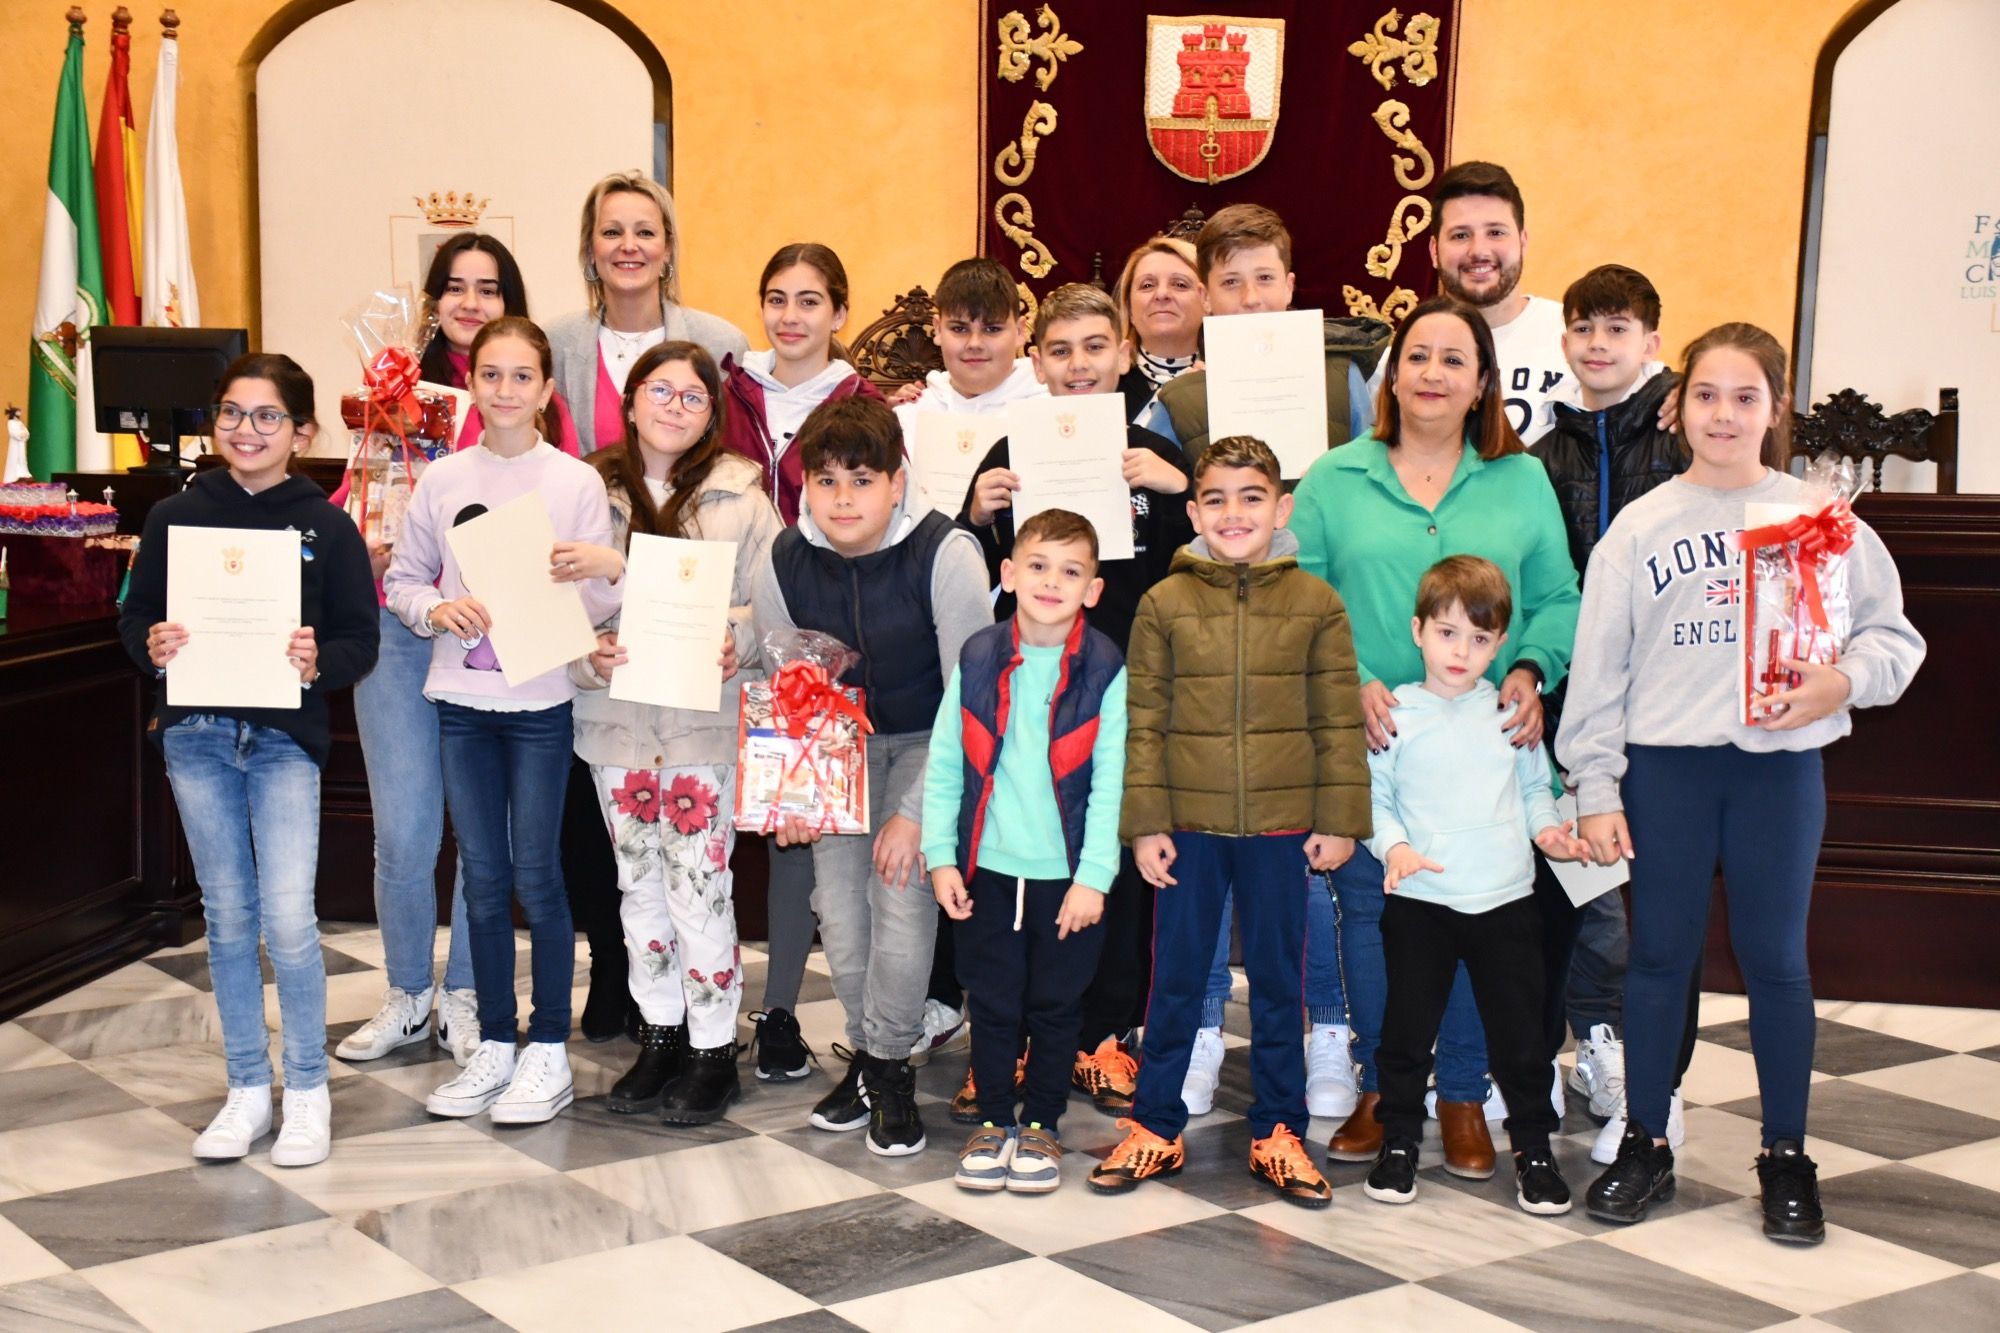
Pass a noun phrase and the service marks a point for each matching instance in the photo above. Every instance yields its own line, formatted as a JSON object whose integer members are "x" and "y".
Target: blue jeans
{"x": 1597, "y": 968}
{"x": 399, "y": 744}
{"x": 506, "y": 774}
{"x": 1461, "y": 1041}
{"x": 249, "y": 803}
{"x": 1325, "y": 996}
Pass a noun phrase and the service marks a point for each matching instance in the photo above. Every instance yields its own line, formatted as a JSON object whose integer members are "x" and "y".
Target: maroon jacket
{"x": 745, "y": 431}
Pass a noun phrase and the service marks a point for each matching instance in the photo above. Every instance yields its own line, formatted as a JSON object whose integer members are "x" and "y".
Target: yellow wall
{"x": 1666, "y": 135}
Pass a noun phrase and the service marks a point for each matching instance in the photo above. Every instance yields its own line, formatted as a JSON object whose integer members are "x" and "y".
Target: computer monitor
{"x": 159, "y": 382}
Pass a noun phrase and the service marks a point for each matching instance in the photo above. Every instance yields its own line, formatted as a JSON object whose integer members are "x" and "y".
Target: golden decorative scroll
{"x": 1030, "y": 307}
{"x": 1016, "y": 161}
{"x": 1018, "y": 49}
{"x": 1412, "y": 215}
{"x": 1416, "y": 48}
{"x": 1036, "y": 259}
{"x": 1414, "y": 171}
{"x": 1400, "y": 303}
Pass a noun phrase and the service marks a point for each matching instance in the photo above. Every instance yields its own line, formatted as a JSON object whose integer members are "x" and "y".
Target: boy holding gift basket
{"x": 1659, "y": 744}
{"x": 905, "y": 593}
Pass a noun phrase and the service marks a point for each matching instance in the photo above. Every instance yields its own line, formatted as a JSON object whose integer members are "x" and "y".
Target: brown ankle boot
{"x": 1468, "y": 1147}
{"x": 1359, "y": 1138}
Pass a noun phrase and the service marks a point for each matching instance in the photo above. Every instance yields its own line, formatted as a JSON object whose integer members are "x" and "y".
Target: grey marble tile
{"x": 1919, "y": 1210}
{"x": 1573, "y": 1156}
{"x": 1886, "y": 1124}
{"x": 1585, "y": 1287}
{"x": 1202, "y": 1271}
{"x": 123, "y": 1219}
{"x": 588, "y": 1135}
{"x": 1968, "y": 1301}
{"x": 1838, "y": 1048}
{"x": 67, "y": 1302}
{"x": 54, "y": 1093}
{"x": 193, "y": 967}
{"x": 849, "y": 1151}
{"x": 430, "y": 1311}
{"x": 506, "y": 1228}
{"x": 819, "y": 1321}
{"x": 87, "y": 1033}
{"x": 857, "y": 1248}
{"x": 1990, "y": 1053}
{"x": 361, "y": 1105}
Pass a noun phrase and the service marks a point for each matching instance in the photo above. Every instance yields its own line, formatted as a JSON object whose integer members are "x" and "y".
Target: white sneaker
{"x": 403, "y": 1018}
{"x": 244, "y": 1118}
{"x": 1605, "y": 1150}
{"x": 1204, "y": 1071}
{"x": 486, "y": 1076}
{"x": 307, "y": 1136}
{"x": 1331, "y": 1088}
{"x": 943, "y": 1026}
{"x": 458, "y": 1024}
{"x": 1600, "y": 1071}
{"x": 542, "y": 1086}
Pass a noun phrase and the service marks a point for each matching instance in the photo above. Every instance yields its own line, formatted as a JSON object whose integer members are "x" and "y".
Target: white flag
{"x": 167, "y": 266}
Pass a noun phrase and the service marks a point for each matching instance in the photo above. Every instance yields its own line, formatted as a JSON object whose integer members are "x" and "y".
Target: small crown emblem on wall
{"x": 452, "y": 209}
{"x": 232, "y": 560}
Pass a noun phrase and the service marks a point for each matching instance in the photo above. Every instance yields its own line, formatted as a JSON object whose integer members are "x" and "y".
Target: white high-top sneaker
{"x": 1331, "y": 1088}
{"x": 458, "y": 1024}
{"x": 542, "y": 1086}
{"x": 307, "y": 1135}
{"x": 1604, "y": 1151}
{"x": 1204, "y": 1071}
{"x": 403, "y": 1018}
{"x": 244, "y": 1118}
{"x": 486, "y": 1076}
{"x": 1600, "y": 1071}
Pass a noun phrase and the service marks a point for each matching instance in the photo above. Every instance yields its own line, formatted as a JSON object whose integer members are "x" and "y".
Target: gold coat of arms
{"x": 1212, "y": 92}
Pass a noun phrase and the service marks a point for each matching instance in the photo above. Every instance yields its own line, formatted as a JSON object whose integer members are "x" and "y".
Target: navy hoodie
{"x": 336, "y": 594}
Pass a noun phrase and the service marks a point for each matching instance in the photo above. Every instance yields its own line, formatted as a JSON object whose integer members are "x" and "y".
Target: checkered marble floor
{"x": 602, "y": 1221}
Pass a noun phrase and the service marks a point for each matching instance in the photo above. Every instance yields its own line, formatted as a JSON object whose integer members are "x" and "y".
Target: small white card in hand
{"x": 236, "y": 593}
{"x": 945, "y": 450}
{"x": 1267, "y": 378}
{"x": 1584, "y": 881}
{"x": 676, "y": 613}
{"x": 1068, "y": 453}
{"x": 503, "y": 559}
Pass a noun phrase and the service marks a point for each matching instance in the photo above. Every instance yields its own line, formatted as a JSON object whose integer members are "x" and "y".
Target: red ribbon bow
{"x": 392, "y": 381}
{"x": 802, "y": 689}
{"x": 1829, "y": 532}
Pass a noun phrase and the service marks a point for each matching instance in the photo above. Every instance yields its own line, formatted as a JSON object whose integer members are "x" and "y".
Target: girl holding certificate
{"x": 666, "y": 777}
{"x": 246, "y": 779}
{"x": 505, "y": 747}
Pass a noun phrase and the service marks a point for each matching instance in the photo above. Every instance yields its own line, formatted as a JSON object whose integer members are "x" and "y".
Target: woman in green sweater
{"x": 1441, "y": 473}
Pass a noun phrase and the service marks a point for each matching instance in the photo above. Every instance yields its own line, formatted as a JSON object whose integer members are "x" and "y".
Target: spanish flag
{"x": 118, "y": 202}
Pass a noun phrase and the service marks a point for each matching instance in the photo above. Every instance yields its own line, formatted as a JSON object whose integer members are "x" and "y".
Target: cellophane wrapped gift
{"x": 1795, "y": 599}
{"x": 395, "y": 426}
{"x": 802, "y": 748}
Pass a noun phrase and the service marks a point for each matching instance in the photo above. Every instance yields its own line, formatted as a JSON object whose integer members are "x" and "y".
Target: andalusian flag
{"x": 71, "y": 295}
{"x": 118, "y": 205}
{"x": 167, "y": 268}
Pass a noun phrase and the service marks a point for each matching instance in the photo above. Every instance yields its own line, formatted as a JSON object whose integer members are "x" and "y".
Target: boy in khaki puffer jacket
{"x": 1244, "y": 764}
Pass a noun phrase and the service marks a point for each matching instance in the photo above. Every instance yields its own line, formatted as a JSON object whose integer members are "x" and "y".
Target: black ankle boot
{"x": 705, "y": 1088}
{"x": 663, "y": 1055}
{"x": 604, "y": 1009}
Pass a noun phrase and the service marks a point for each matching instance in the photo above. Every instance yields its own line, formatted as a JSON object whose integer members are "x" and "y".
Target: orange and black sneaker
{"x": 1109, "y": 1076}
{"x": 965, "y": 1102}
{"x": 1142, "y": 1156}
{"x": 1281, "y": 1161}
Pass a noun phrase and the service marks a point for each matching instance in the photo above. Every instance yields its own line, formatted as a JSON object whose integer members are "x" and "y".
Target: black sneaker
{"x": 662, "y": 1055}
{"x": 1640, "y": 1176}
{"x": 846, "y": 1107}
{"x": 782, "y": 1053}
{"x": 1394, "y": 1179}
{"x": 1539, "y": 1186}
{"x": 1790, "y": 1183}
{"x": 894, "y": 1127}
{"x": 706, "y": 1087}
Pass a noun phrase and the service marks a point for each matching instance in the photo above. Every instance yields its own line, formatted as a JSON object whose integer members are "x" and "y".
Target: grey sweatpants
{"x": 878, "y": 939}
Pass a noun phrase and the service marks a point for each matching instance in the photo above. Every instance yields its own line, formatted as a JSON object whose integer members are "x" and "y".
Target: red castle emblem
{"x": 1212, "y": 93}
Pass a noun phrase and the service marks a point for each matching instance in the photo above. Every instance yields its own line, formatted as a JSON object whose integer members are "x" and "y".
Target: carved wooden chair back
{"x": 1850, "y": 425}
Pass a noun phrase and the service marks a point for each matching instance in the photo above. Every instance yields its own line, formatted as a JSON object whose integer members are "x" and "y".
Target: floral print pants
{"x": 671, "y": 832}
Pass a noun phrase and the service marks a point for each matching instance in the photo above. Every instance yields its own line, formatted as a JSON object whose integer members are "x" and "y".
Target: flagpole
{"x": 166, "y": 269}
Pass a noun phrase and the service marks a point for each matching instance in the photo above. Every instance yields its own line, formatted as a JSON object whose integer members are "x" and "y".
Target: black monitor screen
{"x": 140, "y": 373}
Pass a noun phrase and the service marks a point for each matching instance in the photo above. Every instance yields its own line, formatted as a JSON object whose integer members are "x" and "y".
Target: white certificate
{"x": 236, "y": 592}
{"x": 1584, "y": 880}
{"x": 503, "y": 559}
{"x": 676, "y": 612}
{"x": 945, "y": 451}
{"x": 1067, "y": 452}
{"x": 1267, "y": 378}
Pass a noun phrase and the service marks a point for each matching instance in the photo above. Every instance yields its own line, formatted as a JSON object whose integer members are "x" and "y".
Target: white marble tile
{"x": 21, "y": 1259}
{"x": 1726, "y": 1245}
{"x": 1405, "y": 1307}
{"x": 66, "y": 1302}
{"x": 623, "y": 1288}
{"x": 1719, "y": 1008}
{"x": 417, "y": 1081}
{"x": 720, "y": 1184}
{"x": 254, "y": 1281}
{"x": 1444, "y": 1231}
{"x": 1952, "y": 1029}
{"x": 822, "y": 1023}
{"x": 365, "y": 946}
{"x": 398, "y": 1165}
{"x": 1974, "y": 1163}
{"x": 63, "y": 1156}
{"x": 1030, "y": 1293}
{"x": 85, "y": 1033}
{"x": 1067, "y": 1218}
{"x": 1721, "y": 1149}
{"x": 164, "y": 1074}
{"x": 1964, "y": 1082}
{"x": 22, "y": 1049}
{"x": 1719, "y": 1074}
{"x": 130, "y": 984}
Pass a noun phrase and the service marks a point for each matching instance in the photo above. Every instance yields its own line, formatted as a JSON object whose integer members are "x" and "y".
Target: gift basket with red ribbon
{"x": 802, "y": 739}
{"x": 396, "y": 426}
{"x": 1796, "y": 606}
